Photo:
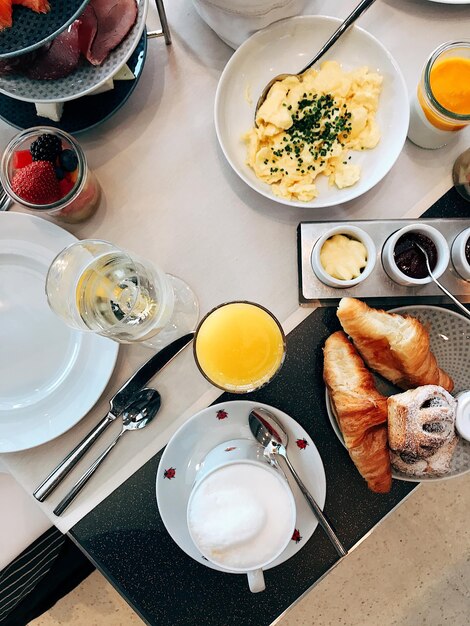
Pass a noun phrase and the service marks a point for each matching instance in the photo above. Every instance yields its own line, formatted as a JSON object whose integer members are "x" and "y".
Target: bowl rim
{"x": 459, "y": 259}
{"x": 265, "y": 189}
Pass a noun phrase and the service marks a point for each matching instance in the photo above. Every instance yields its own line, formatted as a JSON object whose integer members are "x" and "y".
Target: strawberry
{"x": 36, "y": 183}
{"x": 65, "y": 187}
{"x": 21, "y": 158}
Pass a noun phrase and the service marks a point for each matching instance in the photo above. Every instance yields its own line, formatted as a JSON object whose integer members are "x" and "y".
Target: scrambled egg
{"x": 307, "y": 128}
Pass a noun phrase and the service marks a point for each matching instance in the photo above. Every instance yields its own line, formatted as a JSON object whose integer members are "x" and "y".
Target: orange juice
{"x": 449, "y": 82}
{"x": 239, "y": 346}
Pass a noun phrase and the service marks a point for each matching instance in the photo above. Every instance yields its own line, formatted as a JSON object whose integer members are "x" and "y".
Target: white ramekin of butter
{"x": 462, "y": 416}
{"x": 344, "y": 256}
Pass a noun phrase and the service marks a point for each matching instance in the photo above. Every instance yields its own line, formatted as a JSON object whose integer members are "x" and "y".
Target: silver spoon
{"x": 349, "y": 21}
{"x": 140, "y": 412}
{"x": 271, "y": 435}
{"x": 441, "y": 287}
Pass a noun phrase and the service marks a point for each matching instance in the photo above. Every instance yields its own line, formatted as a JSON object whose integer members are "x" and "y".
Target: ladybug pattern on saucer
{"x": 302, "y": 444}
{"x": 297, "y": 537}
{"x": 169, "y": 473}
{"x": 221, "y": 414}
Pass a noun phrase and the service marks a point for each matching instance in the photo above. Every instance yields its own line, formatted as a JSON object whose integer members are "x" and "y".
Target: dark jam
{"x": 467, "y": 250}
{"x": 409, "y": 259}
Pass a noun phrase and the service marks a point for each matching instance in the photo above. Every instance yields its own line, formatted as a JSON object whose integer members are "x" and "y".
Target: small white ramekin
{"x": 355, "y": 233}
{"x": 388, "y": 259}
{"x": 459, "y": 260}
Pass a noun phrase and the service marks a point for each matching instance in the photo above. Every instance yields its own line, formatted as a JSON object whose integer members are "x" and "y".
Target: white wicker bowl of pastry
{"x": 418, "y": 348}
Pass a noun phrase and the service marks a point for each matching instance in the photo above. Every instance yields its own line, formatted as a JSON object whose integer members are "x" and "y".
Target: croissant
{"x": 395, "y": 346}
{"x": 361, "y": 411}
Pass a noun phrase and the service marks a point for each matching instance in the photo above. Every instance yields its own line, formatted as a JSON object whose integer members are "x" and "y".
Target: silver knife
{"x": 116, "y": 405}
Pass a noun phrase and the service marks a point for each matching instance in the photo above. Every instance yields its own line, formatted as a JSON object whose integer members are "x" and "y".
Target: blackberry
{"x": 46, "y": 148}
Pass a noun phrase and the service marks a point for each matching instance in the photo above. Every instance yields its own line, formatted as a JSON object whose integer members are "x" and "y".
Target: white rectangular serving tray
{"x": 378, "y": 287}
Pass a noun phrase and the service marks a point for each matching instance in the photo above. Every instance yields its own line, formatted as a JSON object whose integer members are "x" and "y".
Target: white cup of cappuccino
{"x": 241, "y": 513}
{"x": 235, "y": 449}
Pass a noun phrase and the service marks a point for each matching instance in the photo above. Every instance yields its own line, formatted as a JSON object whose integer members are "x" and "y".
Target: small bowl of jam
{"x": 405, "y": 263}
{"x": 461, "y": 254}
{"x": 343, "y": 257}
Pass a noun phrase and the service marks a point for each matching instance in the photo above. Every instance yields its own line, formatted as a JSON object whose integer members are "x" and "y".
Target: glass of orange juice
{"x": 239, "y": 346}
{"x": 441, "y": 106}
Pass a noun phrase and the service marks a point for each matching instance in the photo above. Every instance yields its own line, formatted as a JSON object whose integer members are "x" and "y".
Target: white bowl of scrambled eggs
{"x": 320, "y": 142}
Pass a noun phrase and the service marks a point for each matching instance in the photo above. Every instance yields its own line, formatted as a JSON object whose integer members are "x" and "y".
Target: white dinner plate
{"x": 50, "y": 375}
{"x": 84, "y": 79}
{"x": 201, "y": 433}
{"x": 286, "y": 47}
{"x": 449, "y": 333}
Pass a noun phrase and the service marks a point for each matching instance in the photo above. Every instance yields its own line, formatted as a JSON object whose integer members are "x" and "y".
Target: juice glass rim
{"x": 448, "y": 45}
{"x": 271, "y": 315}
{"x": 9, "y": 150}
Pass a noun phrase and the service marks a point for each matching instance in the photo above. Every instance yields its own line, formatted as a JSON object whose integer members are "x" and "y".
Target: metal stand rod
{"x": 165, "y": 30}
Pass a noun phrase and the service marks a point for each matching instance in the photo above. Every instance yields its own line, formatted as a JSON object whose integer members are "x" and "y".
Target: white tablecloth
{"x": 170, "y": 195}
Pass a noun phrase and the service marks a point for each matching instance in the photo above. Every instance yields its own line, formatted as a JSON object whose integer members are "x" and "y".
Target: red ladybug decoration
{"x": 169, "y": 473}
{"x": 302, "y": 443}
{"x": 296, "y": 536}
{"x": 221, "y": 414}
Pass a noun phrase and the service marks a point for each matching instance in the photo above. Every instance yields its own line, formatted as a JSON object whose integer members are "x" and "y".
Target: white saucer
{"x": 201, "y": 433}
{"x": 50, "y": 375}
{"x": 449, "y": 333}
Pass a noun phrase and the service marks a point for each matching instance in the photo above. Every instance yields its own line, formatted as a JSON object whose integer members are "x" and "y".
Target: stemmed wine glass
{"x": 95, "y": 286}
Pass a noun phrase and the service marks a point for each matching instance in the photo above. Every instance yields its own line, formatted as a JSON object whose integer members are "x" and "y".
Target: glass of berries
{"x": 45, "y": 169}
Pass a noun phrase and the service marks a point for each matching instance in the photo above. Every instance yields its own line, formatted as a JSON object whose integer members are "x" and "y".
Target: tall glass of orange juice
{"x": 441, "y": 106}
{"x": 239, "y": 346}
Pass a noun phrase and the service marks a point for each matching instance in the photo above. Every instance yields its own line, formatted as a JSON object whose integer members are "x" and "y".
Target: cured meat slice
{"x": 39, "y": 6}
{"x": 5, "y": 14}
{"x": 19, "y": 64}
{"x": 87, "y": 30}
{"x": 115, "y": 19}
{"x": 60, "y": 59}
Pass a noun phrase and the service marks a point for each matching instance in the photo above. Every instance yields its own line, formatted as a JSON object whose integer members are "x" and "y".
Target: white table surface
{"x": 170, "y": 196}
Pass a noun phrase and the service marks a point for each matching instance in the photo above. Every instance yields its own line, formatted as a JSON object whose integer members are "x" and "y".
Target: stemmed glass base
{"x": 184, "y": 318}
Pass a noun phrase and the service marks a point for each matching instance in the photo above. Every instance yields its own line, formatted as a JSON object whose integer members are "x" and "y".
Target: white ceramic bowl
{"x": 443, "y": 255}
{"x": 462, "y": 416}
{"x": 286, "y": 46}
{"x": 355, "y": 233}
{"x": 236, "y": 20}
{"x": 459, "y": 259}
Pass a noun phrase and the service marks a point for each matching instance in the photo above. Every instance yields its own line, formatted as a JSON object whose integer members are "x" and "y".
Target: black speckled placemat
{"x": 125, "y": 537}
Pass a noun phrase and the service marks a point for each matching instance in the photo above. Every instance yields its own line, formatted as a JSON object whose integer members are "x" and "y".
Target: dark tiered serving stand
{"x": 31, "y": 30}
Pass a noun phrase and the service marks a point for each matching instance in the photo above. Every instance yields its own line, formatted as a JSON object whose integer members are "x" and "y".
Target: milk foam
{"x": 240, "y": 516}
